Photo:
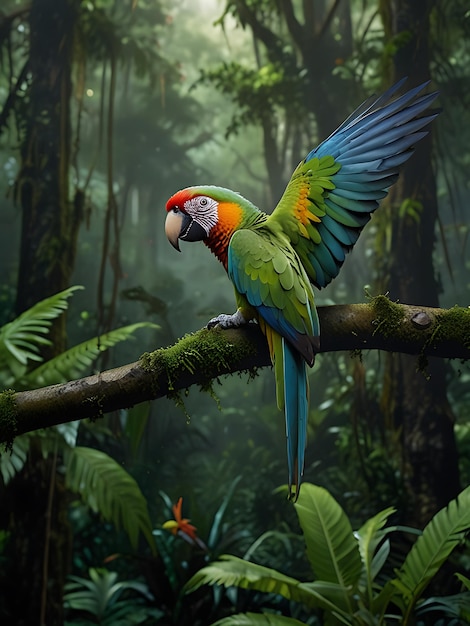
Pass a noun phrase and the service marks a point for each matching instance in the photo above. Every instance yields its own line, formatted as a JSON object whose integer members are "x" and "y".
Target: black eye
{"x": 203, "y": 201}
{"x": 176, "y": 209}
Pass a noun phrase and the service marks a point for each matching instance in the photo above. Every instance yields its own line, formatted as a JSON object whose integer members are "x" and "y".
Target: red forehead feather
{"x": 179, "y": 198}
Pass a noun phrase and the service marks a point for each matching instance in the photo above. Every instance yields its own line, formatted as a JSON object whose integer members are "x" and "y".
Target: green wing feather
{"x": 271, "y": 278}
{"x": 301, "y": 211}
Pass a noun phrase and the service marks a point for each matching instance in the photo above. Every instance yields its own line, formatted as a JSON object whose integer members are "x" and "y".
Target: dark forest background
{"x": 107, "y": 107}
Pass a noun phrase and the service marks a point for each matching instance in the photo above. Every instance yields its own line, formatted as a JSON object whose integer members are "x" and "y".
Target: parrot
{"x": 274, "y": 260}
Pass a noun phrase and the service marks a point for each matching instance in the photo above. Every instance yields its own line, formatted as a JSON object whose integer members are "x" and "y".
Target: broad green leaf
{"x": 108, "y": 489}
{"x": 258, "y": 619}
{"x": 332, "y": 549}
{"x": 73, "y": 362}
{"x": 443, "y": 533}
{"x": 231, "y": 571}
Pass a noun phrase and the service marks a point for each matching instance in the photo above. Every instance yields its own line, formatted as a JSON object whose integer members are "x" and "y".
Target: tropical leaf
{"x": 164, "y": 542}
{"x": 464, "y": 580}
{"x": 332, "y": 549}
{"x": 214, "y": 534}
{"x": 73, "y": 362}
{"x": 69, "y": 432}
{"x": 258, "y": 619}
{"x": 457, "y": 606}
{"x": 369, "y": 537}
{"x": 100, "y": 596}
{"x": 136, "y": 419}
{"x": 21, "y": 338}
{"x": 12, "y": 461}
{"x": 231, "y": 571}
{"x": 109, "y": 490}
{"x": 443, "y": 533}
{"x": 279, "y": 536}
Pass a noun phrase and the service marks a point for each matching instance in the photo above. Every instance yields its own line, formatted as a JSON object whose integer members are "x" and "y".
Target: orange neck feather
{"x": 230, "y": 219}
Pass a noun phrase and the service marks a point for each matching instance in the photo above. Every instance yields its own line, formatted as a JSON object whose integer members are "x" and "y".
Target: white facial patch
{"x": 203, "y": 210}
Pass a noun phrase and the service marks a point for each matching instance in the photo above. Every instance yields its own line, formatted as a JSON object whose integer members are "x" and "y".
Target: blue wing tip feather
{"x": 370, "y": 146}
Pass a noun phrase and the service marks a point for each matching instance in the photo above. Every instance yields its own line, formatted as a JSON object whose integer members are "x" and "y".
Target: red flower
{"x": 181, "y": 526}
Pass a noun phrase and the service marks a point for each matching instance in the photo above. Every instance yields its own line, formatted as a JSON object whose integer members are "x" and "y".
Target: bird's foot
{"x": 227, "y": 321}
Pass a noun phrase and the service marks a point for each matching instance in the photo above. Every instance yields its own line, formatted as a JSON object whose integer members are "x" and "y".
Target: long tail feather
{"x": 296, "y": 413}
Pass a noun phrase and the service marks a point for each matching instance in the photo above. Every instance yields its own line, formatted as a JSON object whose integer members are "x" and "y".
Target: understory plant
{"x": 353, "y": 582}
{"x": 103, "y": 484}
{"x": 102, "y": 599}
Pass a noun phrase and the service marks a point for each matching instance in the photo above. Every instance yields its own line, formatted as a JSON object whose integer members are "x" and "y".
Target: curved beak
{"x": 173, "y": 227}
{"x": 182, "y": 226}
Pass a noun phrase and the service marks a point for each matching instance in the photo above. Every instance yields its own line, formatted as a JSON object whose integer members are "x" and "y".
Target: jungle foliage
{"x": 98, "y": 126}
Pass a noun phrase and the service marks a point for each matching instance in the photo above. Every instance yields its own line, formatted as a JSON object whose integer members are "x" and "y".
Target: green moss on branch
{"x": 205, "y": 353}
{"x": 8, "y": 417}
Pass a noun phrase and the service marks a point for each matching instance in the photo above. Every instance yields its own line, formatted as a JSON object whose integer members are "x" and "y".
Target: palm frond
{"x": 21, "y": 338}
{"x": 73, "y": 362}
{"x": 332, "y": 549}
{"x": 109, "y": 490}
{"x": 443, "y": 533}
{"x": 258, "y": 619}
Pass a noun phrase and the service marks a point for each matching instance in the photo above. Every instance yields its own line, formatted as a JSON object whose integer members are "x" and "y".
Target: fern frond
{"x": 21, "y": 338}
{"x": 73, "y": 362}
{"x": 443, "y": 533}
{"x": 109, "y": 490}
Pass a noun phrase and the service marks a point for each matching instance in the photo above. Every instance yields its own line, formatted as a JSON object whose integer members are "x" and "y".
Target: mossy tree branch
{"x": 207, "y": 354}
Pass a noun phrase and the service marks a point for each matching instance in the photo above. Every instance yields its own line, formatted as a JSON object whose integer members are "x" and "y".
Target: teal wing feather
{"x": 334, "y": 190}
{"x": 269, "y": 275}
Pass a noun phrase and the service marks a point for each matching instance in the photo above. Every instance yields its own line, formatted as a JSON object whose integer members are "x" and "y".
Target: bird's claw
{"x": 225, "y": 320}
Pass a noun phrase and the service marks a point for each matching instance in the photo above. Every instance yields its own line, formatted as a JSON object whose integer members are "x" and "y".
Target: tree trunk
{"x": 50, "y": 220}
{"x": 417, "y": 403}
{"x": 39, "y": 549}
{"x": 40, "y": 535}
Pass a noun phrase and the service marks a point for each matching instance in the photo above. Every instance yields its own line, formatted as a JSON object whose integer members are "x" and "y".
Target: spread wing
{"x": 334, "y": 190}
{"x": 274, "y": 282}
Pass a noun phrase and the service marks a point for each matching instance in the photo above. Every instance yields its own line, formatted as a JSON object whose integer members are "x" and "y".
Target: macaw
{"x": 273, "y": 260}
